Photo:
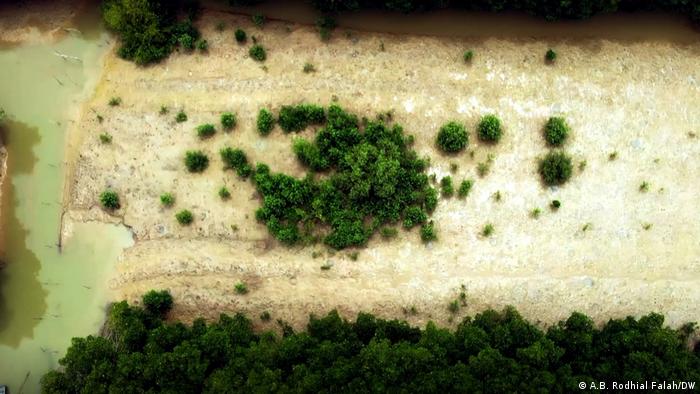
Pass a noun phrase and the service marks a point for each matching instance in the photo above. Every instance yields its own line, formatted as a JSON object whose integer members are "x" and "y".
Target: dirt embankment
{"x": 597, "y": 254}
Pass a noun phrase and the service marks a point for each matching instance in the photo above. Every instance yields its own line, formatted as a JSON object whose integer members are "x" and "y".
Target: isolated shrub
{"x": 468, "y": 56}
{"x": 240, "y": 36}
{"x": 556, "y": 131}
{"x": 163, "y": 110}
{"x": 488, "y": 230}
{"x": 106, "y": 138}
{"x": 241, "y": 288}
{"x": 184, "y": 217}
{"x": 167, "y": 199}
{"x": 550, "y": 56}
{"x": 205, "y": 130}
{"x": 427, "y": 232}
{"x": 181, "y": 117}
{"x": 464, "y": 188}
{"x": 109, "y": 200}
{"x": 157, "y": 303}
{"x": 228, "y": 120}
{"x": 202, "y": 45}
{"x": 446, "y": 186}
{"x": 555, "y": 168}
{"x": 490, "y": 129}
{"x": 259, "y": 20}
{"x": 414, "y": 216}
{"x": 115, "y": 101}
{"x": 236, "y": 159}
{"x": 224, "y": 194}
{"x": 309, "y": 68}
{"x": 452, "y": 137}
{"x": 265, "y": 122}
{"x": 298, "y": 117}
{"x": 196, "y": 161}
{"x": 555, "y": 204}
{"x": 257, "y": 52}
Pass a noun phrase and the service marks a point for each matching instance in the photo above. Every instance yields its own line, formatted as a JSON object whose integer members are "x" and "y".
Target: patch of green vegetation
{"x": 647, "y": 226}
{"x": 535, "y": 213}
{"x": 181, "y": 117}
{"x": 497, "y": 196}
{"x": 453, "y": 306}
{"x": 488, "y": 230}
{"x": 265, "y": 122}
{"x": 202, "y": 45}
{"x": 163, "y": 110}
{"x": 265, "y": 316}
{"x": 241, "y": 288}
{"x": 109, "y": 199}
{"x": 370, "y": 179}
{"x": 325, "y": 26}
{"x": 205, "y": 130}
{"x": 452, "y": 137}
{"x": 224, "y": 193}
{"x": 556, "y": 131}
{"x": 644, "y": 187}
{"x": 389, "y": 232}
{"x": 414, "y": 216}
{"x": 468, "y": 56}
{"x": 446, "y": 186}
{"x": 236, "y": 159}
{"x": 241, "y": 36}
{"x": 555, "y": 204}
{"x": 428, "y": 232}
{"x": 115, "y": 101}
{"x": 259, "y": 20}
{"x": 555, "y": 168}
{"x": 167, "y": 199}
{"x": 299, "y": 117}
{"x": 490, "y": 129}
{"x": 228, "y": 120}
{"x": 550, "y": 56}
{"x": 464, "y": 188}
{"x": 196, "y": 161}
{"x": 612, "y": 156}
{"x": 106, "y": 138}
{"x": 184, "y": 217}
{"x": 257, "y": 52}
{"x": 309, "y": 68}
{"x": 484, "y": 167}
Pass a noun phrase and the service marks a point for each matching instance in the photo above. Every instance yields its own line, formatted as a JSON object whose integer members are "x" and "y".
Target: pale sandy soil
{"x": 639, "y": 99}
{"x": 37, "y": 21}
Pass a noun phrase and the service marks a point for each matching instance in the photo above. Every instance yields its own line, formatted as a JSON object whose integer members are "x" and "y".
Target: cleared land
{"x": 639, "y": 99}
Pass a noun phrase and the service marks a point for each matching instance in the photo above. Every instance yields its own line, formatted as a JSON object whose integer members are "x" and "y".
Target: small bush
{"x": 468, "y": 56}
{"x": 389, "y": 232}
{"x": 488, "y": 230}
{"x": 163, "y": 110}
{"x": 240, "y": 36}
{"x": 535, "y": 213}
{"x": 464, "y": 188}
{"x": 110, "y": 200}
{"x": 184, "y": 217}
{"x": 550, "y": 56}
{"x": 228, "y": 120}
{"x": 612, "y": 156}
{"x": 644, "y": 187}
{"x": 224, "y": 193}
{"x": 257, "y": 52}
{"x": 187, "y": 42}
{"x": 431, "y": 199}
{"x": 490, "y": 129}
{"x": 484, "y": 168}
{"x": 325, "y": 25}
{"x": 167, "y": 199}
{"x": 181, "y": 117}
{"x": 196, "y": 161}
{"x": 115, "y": 101}
{"x": 205, "y": 130}
{"x": 555, "y": 204}
{"x": 414, "y": 216}
{"x": 556, "y": 131}
{"x": 298, "y": 117}
{"x": 427, "y": 232}
{"x": 259, "y": 20}
{"x": 309, "y": 68}
{"x": 202, "y": 45}
{"x": 453, "y": 306}
{"x": 236, "y": 159}
{"x": 556, "y": 168}
{"x": 452, "y": 137}
{"x": 446, "y": 186}
{"x": 241, "y": 288}
{"x": 497, "y": 196}
{"x": 265, "y": 122}
{"x": 265, "y": 316}
{"x": 106, "y": 138}
{"x": 157, "y": 303}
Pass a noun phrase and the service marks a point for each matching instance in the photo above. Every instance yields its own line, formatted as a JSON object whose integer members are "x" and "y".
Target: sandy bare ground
{"x": 637, "y": 99}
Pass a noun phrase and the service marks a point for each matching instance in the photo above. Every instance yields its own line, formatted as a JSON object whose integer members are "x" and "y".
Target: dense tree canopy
{"x": 366, "y": 176}
{"x": 493, "y": 352}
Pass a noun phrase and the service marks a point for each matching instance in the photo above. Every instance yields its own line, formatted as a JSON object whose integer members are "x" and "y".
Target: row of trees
{"x": 493, "y": 352}
{"x": 548, "y": 9}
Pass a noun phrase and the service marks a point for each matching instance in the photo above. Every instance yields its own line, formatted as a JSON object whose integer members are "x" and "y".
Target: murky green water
{"x": 47, "y": 295}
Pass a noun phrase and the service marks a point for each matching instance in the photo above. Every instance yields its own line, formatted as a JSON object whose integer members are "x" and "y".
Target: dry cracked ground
{"x": 609, "y": 251}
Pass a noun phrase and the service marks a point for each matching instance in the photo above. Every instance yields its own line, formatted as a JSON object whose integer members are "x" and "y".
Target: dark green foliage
{"x": 298, "y": 117}
{"x": 452, "y": 137}
{"x": 236, "y": 159}
{"x": 184, "y": 217}
{"x": 325, "y": 25}
{"x": 149, "y": 29}
{"x": 115, "y": 101}
{"x": 259, "y": 20}
{"x": 106, "y": 138}
{"x": 427, "y": 232}
{"x": 468, "y": 56}
{"x": 371, "y": 178}
{"x": 181, "y": 117}
{"x": 167, "y": 199}
{"x": 158, "y": 303}
{"x": 414, "y": 216}
{"x": 550, "y": 56}
{"x": 555, "y": 168}
{"x": 110, "y": 200}
{"x": 257, "y": 52}
{"x": 464, "y": 188}
{"x": 240, "y": 36}
{"x": 492, "y": 352}
{"x": 241, "y": 288}
{"x": 490, "y": 129}
{"x": 556, "y": 131}
{"x": 205, "y": 130}
{"x": 202, "y": 45}
{"x": 265, "y": 122}
{"x": 446, "y": 186}
{"x": 196, "y": 161}
{"x": 389, "y": 232}
{"x": 224, "y": 193}
{"x": 228, "y": 120}
{"x": 555, "y": 204}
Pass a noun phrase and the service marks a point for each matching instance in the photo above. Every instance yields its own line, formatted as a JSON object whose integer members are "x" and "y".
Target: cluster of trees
{"x": 493, "y": 352}
{"x": 371, "y": 178}
{"x": 548, "y": 9}
{"x": 556, "y": 167}
{"x": 151, "y": 29}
